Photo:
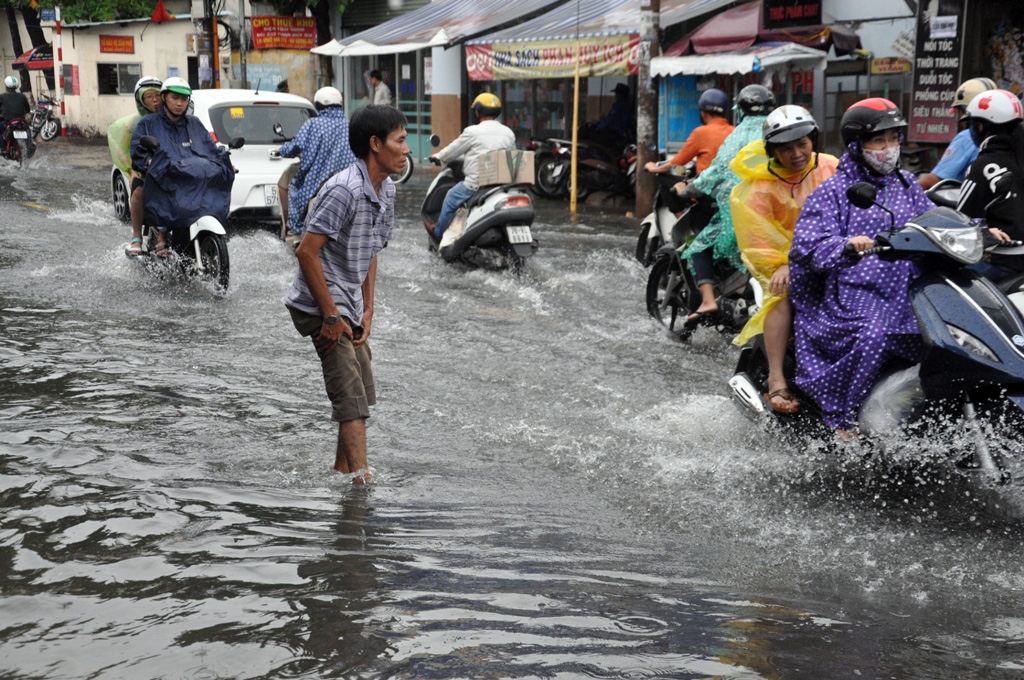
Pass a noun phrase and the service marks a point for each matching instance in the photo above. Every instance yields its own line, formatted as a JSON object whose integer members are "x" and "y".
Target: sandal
{"x": 135, "y": 249}
{"x": 162, "y": 251}
{"x": 783, "y": 393}
{"x": 700, "y": 319}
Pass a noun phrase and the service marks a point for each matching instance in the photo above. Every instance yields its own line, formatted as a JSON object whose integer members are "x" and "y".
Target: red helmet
{"x": 869, "y": 116}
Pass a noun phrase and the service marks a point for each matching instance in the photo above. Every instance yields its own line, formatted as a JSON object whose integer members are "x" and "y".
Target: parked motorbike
{"x": 618, "y": 177}
{"x": 45, "y": 122}
{"x": 552, "y": 167}
{"x": 201, "y": 251}
{"x": 656, "y": 228}
{"x": 17, "y": 141}
{"x": 600, "y": 167}
{"x": 491, "y": 230}
{"x": 673, "y": 293}
{"x": 971, "y": 371}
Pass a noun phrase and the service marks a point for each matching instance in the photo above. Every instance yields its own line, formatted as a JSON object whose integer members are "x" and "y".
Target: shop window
{"x": 118, "y": 78}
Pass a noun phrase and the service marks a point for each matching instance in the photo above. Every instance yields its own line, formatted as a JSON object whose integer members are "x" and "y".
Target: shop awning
{"x": 766, "y": 57}
{"x": 40, "y": 57}
{"x": 442, "y": 23}
{"x": 743, "y": 26}
{"x": 544, "y": 47}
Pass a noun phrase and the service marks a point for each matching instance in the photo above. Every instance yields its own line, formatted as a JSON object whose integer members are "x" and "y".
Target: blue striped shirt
{"x": 358, "y": 224}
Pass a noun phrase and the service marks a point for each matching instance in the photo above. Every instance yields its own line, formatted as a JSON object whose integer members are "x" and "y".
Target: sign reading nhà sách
{"x": 613, "y": 55}
{"x": 117, "y": 44}
{"x": 290, "y": 33}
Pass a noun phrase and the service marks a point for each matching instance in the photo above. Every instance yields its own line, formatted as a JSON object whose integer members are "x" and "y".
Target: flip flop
{"x": 783, "y": 393}
{"x": 135, "y": 249}
{"x": 700, "y": 319}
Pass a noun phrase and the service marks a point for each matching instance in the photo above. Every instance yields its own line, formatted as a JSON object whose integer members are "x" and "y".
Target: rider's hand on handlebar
{"x": 859, "y": 243}
{"x": 1000, "y": 235}
{"x": 677, "y": 189}
{"x": 434, "y": 159}
{"x": 651, "y": 167}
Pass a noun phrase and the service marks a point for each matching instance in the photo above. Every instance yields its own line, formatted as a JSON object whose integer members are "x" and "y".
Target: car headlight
{"x": 971, "y": 343}
{"x": 964, "y": 244}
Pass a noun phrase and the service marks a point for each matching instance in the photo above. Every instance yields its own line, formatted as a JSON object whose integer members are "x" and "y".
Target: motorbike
{"x": 656, "y": 228}
{"x": 491, "y": 230}
{"x": 552, "y": 168}
{"x": 618, "y": 177}
{"x": 17, "y": 141}
{"x": 971, "y": 371}
{"x": 45, "y": 123}
{"x": 403, "y": 176}
{"x": 672, "y": 292}
{"x": 600, "y": 167}
{"x": 200, "y": 251}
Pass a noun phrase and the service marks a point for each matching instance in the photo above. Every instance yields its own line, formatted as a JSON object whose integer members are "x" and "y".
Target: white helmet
{"x": 786, "y": 124}
{"x": 11, "y": 83}
{"x": 327, "y": 96}
{"x": 995, "y": 106}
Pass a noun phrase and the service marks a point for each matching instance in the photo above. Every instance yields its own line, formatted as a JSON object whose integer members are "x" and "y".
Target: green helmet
{"x": 179, "y": 85}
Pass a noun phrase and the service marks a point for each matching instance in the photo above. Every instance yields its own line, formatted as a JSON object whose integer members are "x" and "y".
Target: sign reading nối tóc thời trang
{"x": 936, "y": 74}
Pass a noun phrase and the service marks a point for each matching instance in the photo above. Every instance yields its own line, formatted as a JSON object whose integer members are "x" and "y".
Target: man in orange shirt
{"x": 702, "y": 144}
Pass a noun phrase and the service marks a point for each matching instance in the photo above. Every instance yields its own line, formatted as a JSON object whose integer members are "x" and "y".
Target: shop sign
{"x": 889, "y": 65}
{"x": 117, "y": 44}
{"x": 287, "y": 33}
{"x": 790, "y": 13}
{"x": 936, "y": 75}
{"x": 612, "y": 55}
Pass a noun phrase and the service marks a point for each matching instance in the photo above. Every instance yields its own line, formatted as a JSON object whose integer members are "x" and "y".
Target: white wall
{"x": 878, "y": 22}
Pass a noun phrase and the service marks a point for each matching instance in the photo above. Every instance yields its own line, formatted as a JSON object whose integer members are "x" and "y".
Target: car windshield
{"x": 256, "y": 122}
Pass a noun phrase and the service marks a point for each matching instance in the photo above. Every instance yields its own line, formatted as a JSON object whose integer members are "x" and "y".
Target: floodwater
{"x": 560, "y": 490}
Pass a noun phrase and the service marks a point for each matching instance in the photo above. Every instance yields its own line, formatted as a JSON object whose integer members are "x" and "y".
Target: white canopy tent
{"x": 765, "y": 57}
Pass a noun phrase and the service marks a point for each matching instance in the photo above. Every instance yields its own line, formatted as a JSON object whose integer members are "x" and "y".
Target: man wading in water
{"x": 350, "y": 220}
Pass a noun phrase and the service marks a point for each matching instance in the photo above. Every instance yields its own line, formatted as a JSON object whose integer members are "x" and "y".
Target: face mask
{"x": 882, "y": 161}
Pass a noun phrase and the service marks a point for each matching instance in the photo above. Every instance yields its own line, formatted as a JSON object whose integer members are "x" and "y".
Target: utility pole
{"x": 241, "y": 44}
{"x": 647, "y": 105}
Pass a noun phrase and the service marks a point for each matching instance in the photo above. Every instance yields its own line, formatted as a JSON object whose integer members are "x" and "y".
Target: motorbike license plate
{"x": 20, "y": 134}
{"x": 519, "y": 235}
{"x": 270, "y": 194}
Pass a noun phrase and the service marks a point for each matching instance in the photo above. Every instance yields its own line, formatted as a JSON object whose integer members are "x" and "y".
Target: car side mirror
{"x": 149, "y": 143}
{"x": 862, "y": 195}
{"x": 435, "y": 141}
{"x": 236, "y": 143}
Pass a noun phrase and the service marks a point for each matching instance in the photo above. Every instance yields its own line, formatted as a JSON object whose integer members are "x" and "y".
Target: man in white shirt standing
{"x": 487, "y": 135}
{"x": 381, "y": 92}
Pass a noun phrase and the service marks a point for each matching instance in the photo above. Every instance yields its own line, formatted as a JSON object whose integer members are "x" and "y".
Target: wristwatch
{"x": 332, "y": 319}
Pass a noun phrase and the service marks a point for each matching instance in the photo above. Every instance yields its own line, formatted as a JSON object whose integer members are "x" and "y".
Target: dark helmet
{"x": 755, "y": 100}
{"x": 487, "y": 104}
{"x": 787, "y": 124}
{"x": 714, "y": 101}
{"x": 869, "y": 116}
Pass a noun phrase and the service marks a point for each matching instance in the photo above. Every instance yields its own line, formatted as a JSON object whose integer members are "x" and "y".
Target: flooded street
{"x": 561, "y": 491}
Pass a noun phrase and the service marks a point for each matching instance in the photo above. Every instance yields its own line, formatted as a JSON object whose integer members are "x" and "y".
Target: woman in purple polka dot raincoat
{"x": 853, "y": 314}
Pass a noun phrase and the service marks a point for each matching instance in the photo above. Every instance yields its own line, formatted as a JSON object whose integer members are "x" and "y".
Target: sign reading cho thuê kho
{"x": 292, "y": 33}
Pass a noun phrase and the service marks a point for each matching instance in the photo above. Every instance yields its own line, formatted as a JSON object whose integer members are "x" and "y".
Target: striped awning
{"x": 545, "y": 47}
{"x": 438, "y": 24}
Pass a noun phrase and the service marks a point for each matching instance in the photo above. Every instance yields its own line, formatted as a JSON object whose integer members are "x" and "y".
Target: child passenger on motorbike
{"x": 853, "y": 314}
{"x": 777, "y": 174}
{"x": 119, "y": 137}
{"x": 717, "y": 241}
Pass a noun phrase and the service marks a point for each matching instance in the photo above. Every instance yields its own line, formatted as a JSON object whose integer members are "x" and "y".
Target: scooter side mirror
{"x": 236, "y": 143}
{"x": 862, "y": 195}
{"x": 435, "y": 141}
{"x": 149, "y": 143}
{"x": 278, "y": 130}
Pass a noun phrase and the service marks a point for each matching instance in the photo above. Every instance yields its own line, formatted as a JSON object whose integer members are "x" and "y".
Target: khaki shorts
{"x": 347, "y": 373}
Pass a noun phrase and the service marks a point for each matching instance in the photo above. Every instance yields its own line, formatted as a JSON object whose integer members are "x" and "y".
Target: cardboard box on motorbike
{"x": 506, "y": 167}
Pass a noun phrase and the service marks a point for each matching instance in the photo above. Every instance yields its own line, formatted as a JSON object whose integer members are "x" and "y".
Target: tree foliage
{"x": 74, "y": 11}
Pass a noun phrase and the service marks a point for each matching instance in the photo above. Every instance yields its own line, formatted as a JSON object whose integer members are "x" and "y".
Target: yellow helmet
{"x": 487, "y": 104}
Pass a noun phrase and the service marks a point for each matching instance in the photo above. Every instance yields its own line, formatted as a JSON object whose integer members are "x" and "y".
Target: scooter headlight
{"x": 971, "y": 343}
{"x": 963, "y": 244}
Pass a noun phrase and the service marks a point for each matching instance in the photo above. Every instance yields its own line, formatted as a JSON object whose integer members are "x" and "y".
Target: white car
{"x": 251, "y": 114}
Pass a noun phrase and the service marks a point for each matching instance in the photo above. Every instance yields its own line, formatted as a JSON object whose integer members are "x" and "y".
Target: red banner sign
{"x": 289, "y": 33}
{"x": 117, "y": 44}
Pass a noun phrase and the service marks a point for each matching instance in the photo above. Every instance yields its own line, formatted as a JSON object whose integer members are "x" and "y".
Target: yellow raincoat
{"x": 764, "y": 212}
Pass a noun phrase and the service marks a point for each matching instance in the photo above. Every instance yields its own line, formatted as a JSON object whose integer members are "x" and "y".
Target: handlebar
{"x": 850, "y": 250}
{"x": 434, "y": 161}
